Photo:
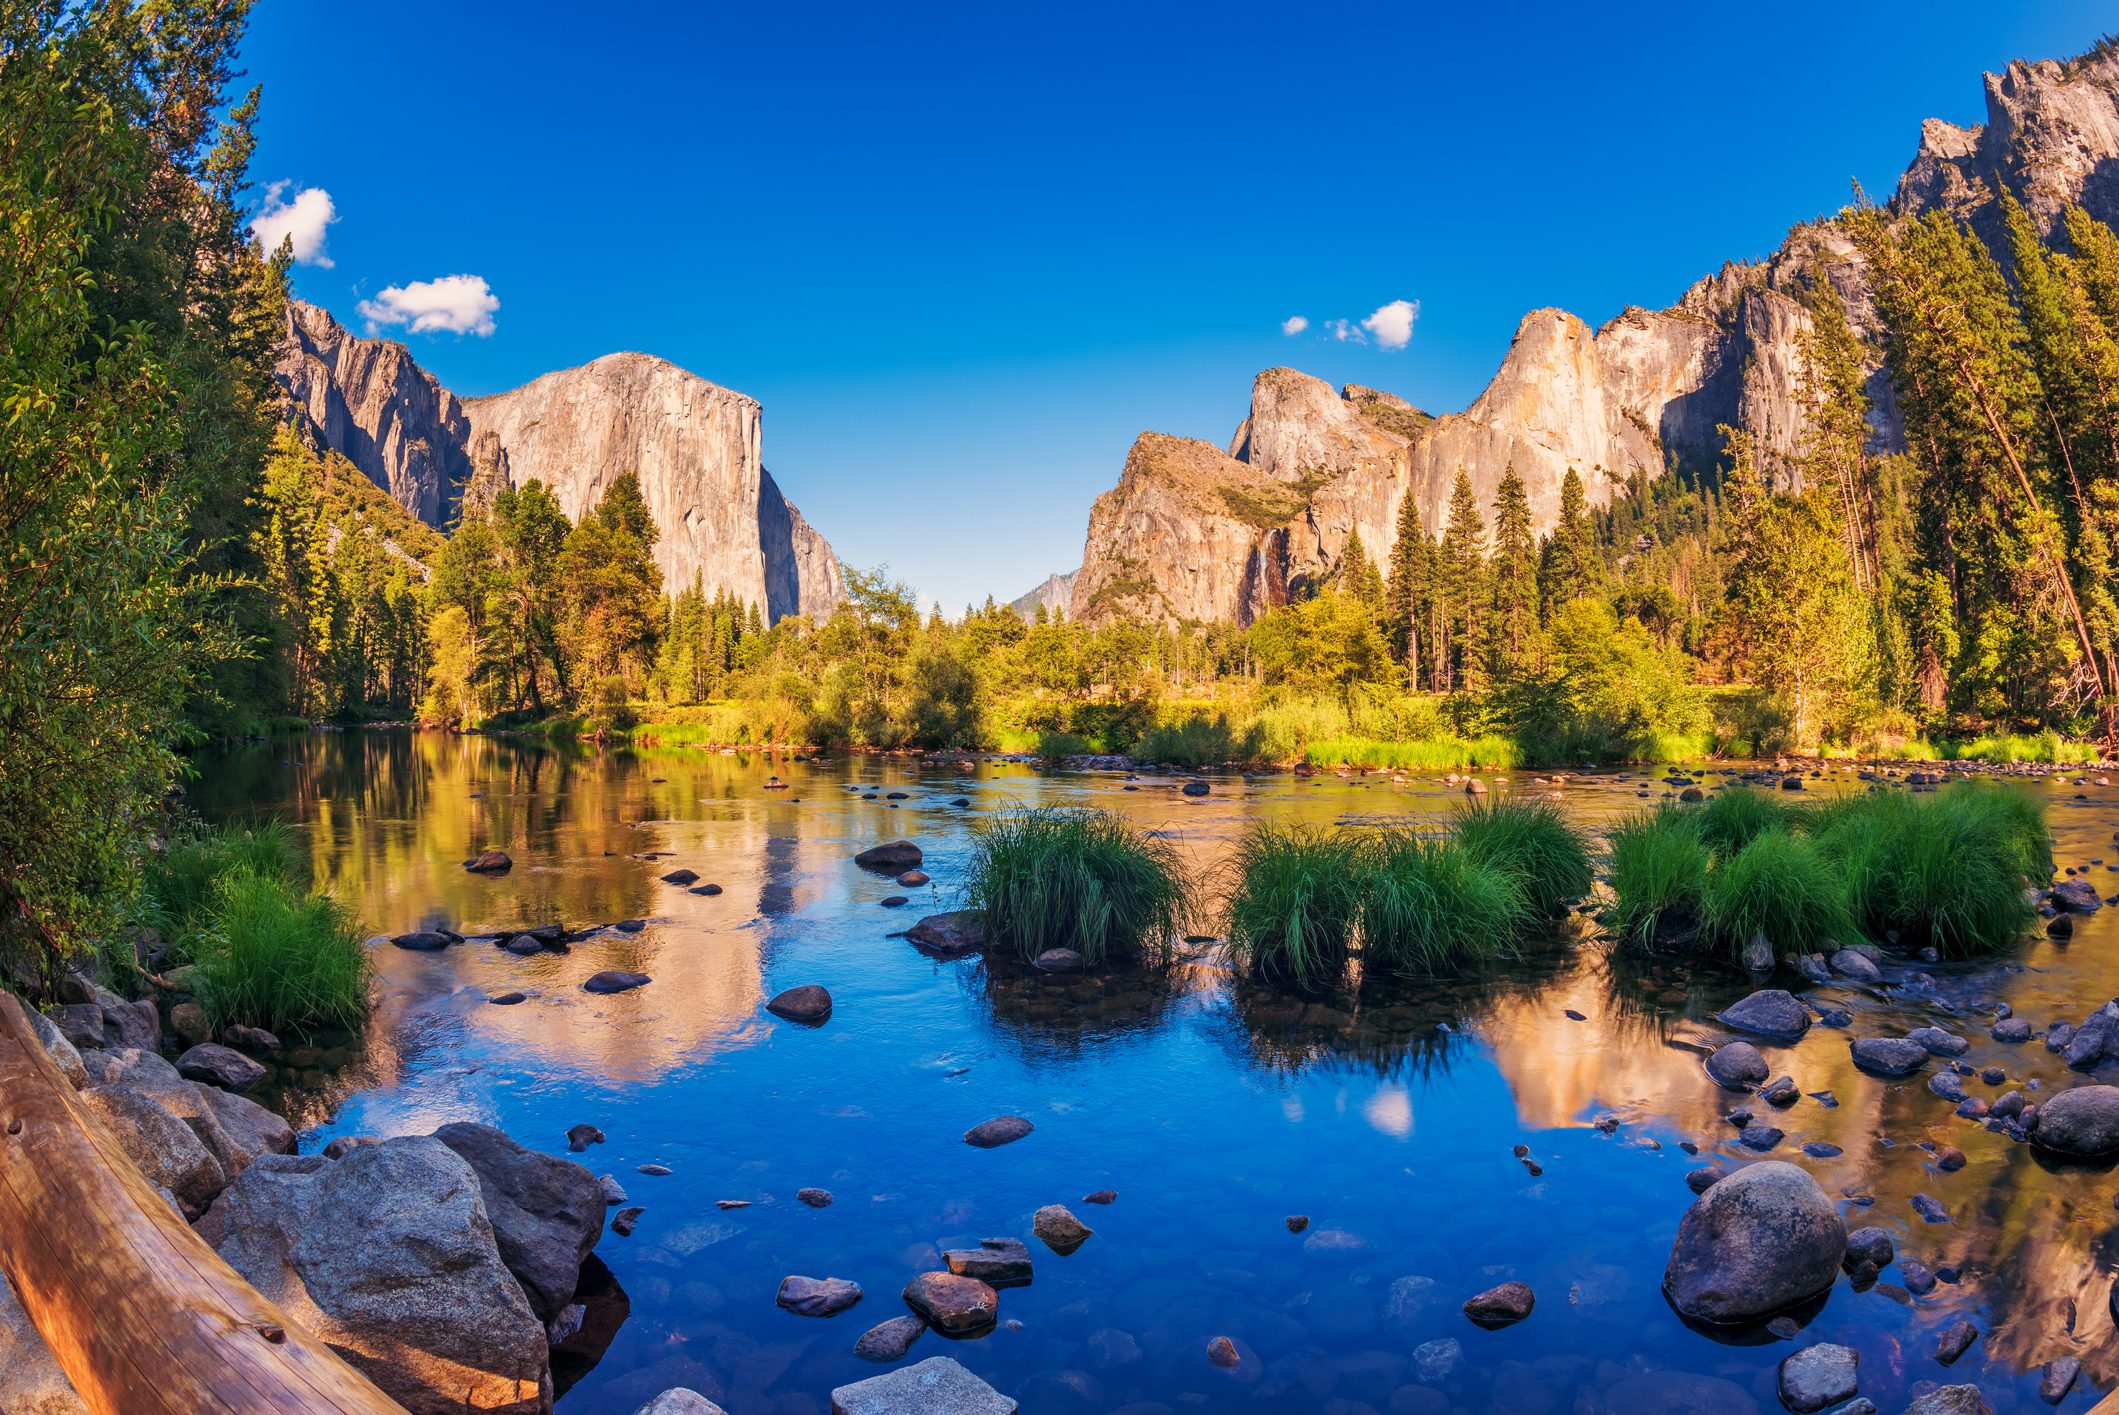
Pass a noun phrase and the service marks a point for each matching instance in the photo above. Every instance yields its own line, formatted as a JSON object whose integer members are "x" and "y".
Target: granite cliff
{"x": 696, "y": 447}
{"x": 1646, "y": 392}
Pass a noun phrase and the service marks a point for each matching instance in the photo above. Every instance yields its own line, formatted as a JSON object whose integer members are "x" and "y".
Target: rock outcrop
{"x": 696, "y": 447}
{"x": 1188, "y": 535}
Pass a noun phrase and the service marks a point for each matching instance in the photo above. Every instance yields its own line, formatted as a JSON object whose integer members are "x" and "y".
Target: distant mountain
{"x": 1056, "y": 594}
{"x": 1192, "y": 532}
{"x": 695, "y": 446}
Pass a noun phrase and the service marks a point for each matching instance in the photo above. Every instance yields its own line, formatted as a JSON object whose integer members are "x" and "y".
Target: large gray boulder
{"x": 64, "y": 1054}
{"x": 1951, "y": 1400}
{"x": 680, "y": 1402}
{"x": 165, "y": 1149}
{"x": 1761, "y": 1240}
{"x": 1769, "y": 1012}
{"x": 125, "y": 1066}
{"x": 2082, "y": 1124}
{"x": 387, "y": 1255}
{"x": 129, "y": 1024}
{"x": 546, "y": 1212}
{"x": 235, "y": 1130}
{"x": 936, "y": 1386}
{"x": 31, "y": 1382}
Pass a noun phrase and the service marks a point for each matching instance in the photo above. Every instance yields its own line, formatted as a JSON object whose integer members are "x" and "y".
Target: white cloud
{"x": 1294, "y": 324}
{"x": 449, "y": 304}
{"x": 1345, "y": 332}
{"x": 300, "y": 222}
{"x": 1393, "y": 324}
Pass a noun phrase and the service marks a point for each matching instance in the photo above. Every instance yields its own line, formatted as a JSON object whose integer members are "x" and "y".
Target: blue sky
{"x": 965, "y": 254}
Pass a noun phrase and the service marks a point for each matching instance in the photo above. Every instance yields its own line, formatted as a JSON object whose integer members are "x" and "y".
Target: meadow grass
{"x": 2001, "y": 748}
{"x": 1088, "y": 880}
{"x": 1295, "y": 904}
{"x": 1952, "y": 870}
{"x": 274, "y": 958}
{"x": 1658, "y": 872}
{"x": 1199, "y": 740}
{"x": 1057, "y": 746}
{"x": 182, "y": 883}
{"x": 1777, "y": 885}
{"x": 1432, "y": 906}
{"x": 1532, "y": 841}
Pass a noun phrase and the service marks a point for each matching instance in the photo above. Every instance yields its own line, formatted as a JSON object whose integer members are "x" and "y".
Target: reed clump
{"x": 1086, "y": 880}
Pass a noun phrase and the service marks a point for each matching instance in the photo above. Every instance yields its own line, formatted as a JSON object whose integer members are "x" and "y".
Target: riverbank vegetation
{"x": 257, "y": 948}
{"x": 1089, "y": 881}
{"x": 1954, "y": 870}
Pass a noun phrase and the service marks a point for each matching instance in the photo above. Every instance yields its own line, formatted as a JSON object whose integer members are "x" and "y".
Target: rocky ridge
{"x": 696, "y": 447}
{"x": 1184, "y": 536}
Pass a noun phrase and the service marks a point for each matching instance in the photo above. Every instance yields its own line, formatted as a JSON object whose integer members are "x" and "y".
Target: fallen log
{"x": 140, "y": 1314}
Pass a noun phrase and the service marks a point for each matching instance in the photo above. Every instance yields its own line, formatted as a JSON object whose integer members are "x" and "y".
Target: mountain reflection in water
{"x": 1217, "y": 1109}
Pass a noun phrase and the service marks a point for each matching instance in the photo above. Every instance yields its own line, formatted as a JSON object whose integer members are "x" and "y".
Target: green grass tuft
{"x": 1292, "y": 914}
{"x": 1430, "y": 907}
{"x": 182, "y": 882}
{"x": 274, "y": 958}
{"x": 1731, "y": 819}
{"x": 1533, "y": 841}
{"x": 1081, "y": 879}
{"x": 1778, "y": 885}
{"x": 1951, "y": 871}
{"x": 1491, "y": 752}
{"x": 1659, "y": 872}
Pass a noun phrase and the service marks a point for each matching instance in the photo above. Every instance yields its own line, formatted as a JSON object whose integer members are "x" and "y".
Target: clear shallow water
{"x": 1215, "y": 1111}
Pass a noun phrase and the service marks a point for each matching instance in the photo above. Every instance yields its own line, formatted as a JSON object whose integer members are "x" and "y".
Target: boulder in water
{"x": 1763, "y": 1239}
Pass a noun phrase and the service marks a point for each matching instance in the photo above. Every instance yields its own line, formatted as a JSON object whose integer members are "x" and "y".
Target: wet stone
{"x": 1001, "y": 1130}
{"x": 1101, "y": 1196}
{"x": 615, "y": 980}
{"x": 951, "y": 1304}
{"x": 808, "y": 1004}
{"x": 2059, "y": 1379}
{"x": 2011, "y": 1029}
{"x": 1889, "y": 1056}
{"x": 1702, "y": 1179}
{"x": 1060, "y": 1229}
{"x": 1954, "y": 1340}
{"x": 1939, "y": 1042}
{"x": 1818, "y": 1377}
{"x": 817, "y": 1297}
{"x": 1781, "y": 1092}
{"x": 1761, "y": 1137}
{"x": 1770, "y": 1012}
{"x": 623, "y": 1221}
{"x": 814, "y": 1198}
{"x": 936, "y": 1386}
{"x": 681, "y": 877}
{"x": 1297, "y": 1222}
{"x": 1930, "y": 1209}
{"x": 1501, "y": 1306}
{"x": 1946, "y": 1085}
{"x": 889, "y": 1341}
{"x": 1436, "y": 1361}
{"x": 507, "y": 999}
{"x": 580, "y": 1137}
{"x": 1737, "y": 1066}
{"x": 997, "y": 1262}
{"x": 1822, "y": 1150}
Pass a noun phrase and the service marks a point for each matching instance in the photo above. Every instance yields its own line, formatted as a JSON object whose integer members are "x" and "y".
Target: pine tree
{"x": 1463, "y": 598}
{"x": 1411, "y": 589}
{"x": 1357, "y": 574}
{"x": 1514, "y": 573}
{"x": 1568, "y": 565}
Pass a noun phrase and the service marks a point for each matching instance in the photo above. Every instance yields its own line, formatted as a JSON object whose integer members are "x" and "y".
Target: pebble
{"x": 815, "y": 1198}
{"x": 1954, "y": 1340}
{"x": 622, "y": 1222}
{"x": 817, "y": 1297}
{"x": 656, "y": 1170}
{"x": 1001, "y": 1130}
{"x": 808, "y": 1004}
{"x": 1298, "y": 1222}
{"x": 1501, "y": 1306}
{"x": 1101, "y": 1196}
{"x": 1222, "y": 1352}
{"x": 1818, "y": 1377}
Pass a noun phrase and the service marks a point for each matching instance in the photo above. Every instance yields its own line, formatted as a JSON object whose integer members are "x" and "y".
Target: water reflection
{"x": 1389, "y": 1117}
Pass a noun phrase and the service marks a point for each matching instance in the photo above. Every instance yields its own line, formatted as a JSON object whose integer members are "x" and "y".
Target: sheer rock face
{"x": 368, "y": 400}
{"x": 1056, "y": 594}
{"x": 696, "y": 447}
{"x": 1649, "y": 389}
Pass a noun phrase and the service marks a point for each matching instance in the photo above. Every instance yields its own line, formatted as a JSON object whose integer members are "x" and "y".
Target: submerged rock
{"x": 616, "y": 980}
{"x": 817, "y": 1296}
{"x": 997, "y": 1262}
{"x": 1888, "y": 1056}
{"x": 953, "y": 935}
{"x": 490, "y": 862}
{"x": 1001, "y": 1130}
{"x": 679, "y": 1401}
{"x": 808, "y": 1004}
{"x": 889, "y": 1341}
{"x": 1501, "y": 1306}
{"x": 1760, "y": 1240}
{"x": 1061, "y": 1230}
{"x": 1769, "y": 1012}
{"x": 1857, "y": 966}
{"x": 422, "y": 941}
{"x": 2082, "y": 1123}
{"x": 1737, "y": 1066}
{"x": 1954, "y": 1340}
{"x": 1819, "y": 1376}
{"x": 1951, "y": 1400}
{"x": 953, "y": 1304}
{"x": 1939, "y": 1042}
{"x": 936, "y": 1386}
{"x": 893, "y": 857}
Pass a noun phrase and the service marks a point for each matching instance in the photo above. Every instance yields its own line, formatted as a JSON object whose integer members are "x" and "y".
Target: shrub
{"x": 277, "y": 959}
{"x": 1292, "y": 913}
{"x": 1532, "y": 841}
{"x": 1080, "y": 879}
{"x": 1058, "y": 746}
{"x": 1429, "y": 906}
{"x": 1732, "y": 819}
{"x": 1659, "y": 872}
{"x": 1950, "y": 871}
{"x": 1198, "y": 741}
{"x": 1780, "y": 886}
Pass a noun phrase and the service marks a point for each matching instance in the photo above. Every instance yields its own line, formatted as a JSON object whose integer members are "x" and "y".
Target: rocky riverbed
{"x": 1580, "y": 1184}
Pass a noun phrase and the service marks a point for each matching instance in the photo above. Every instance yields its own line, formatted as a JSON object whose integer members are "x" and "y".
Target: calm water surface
{"x": 1214, "y": 1111}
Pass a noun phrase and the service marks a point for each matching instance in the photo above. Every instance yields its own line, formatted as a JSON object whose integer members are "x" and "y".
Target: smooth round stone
{"x": 1769, "y": 1012}
{"x": 1819, "y": 1376}
{"x": 1001, "y": 1130}
{"x": 2082, "y": 1123}
{"x": 817, "y": 1296}
{"x": 808, "y": 1004}
{"x": 616, "y": 980}
{"x": 913, "y": 879}
{"x": 1763, "y": 1239}
{"x": 1737, "y": 1066}
{"x": 1501, "y": 1306}
{"x": 1061, "y": 1230}
{"x": 952, "y": 1304}
{"x": 1888, "y": 1056}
